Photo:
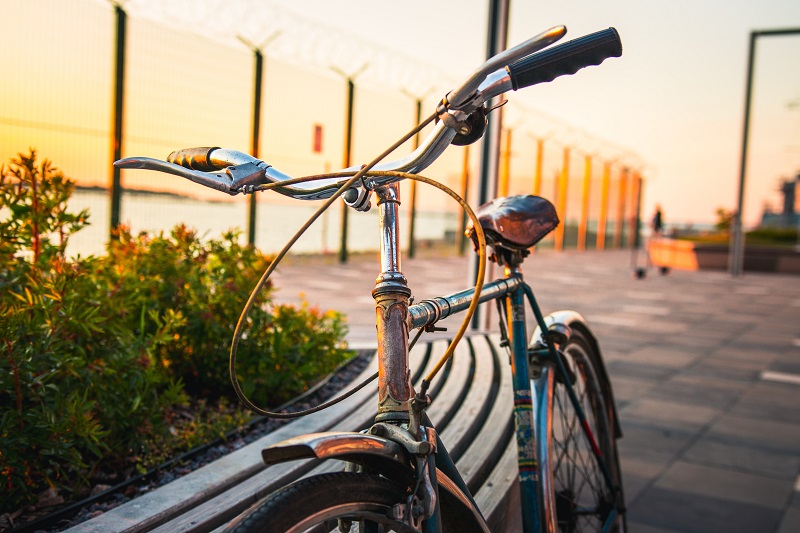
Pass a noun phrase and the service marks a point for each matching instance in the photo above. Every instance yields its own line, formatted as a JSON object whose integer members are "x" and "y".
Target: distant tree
{"x": 724, "y": 219}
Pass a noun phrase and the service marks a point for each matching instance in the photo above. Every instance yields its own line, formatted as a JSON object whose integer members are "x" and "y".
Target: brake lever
{"x": 232, "y": 180}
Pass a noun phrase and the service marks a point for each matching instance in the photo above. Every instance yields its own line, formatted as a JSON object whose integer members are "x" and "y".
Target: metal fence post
{"x": 602, "y": 219}
{"x": 537, "y": 175}
{"x": 561, "y": 200}
{"x": 462, "y": 228}
{"x": 259, "y": 75}
{"x": 119, "y": 101}
{"x": 412, "y": 199}
{"x": 584, "y": 223}
{"x": 348, "y": 149}
{"x": 258, "y": 84}
{"x": 619, "y": 226}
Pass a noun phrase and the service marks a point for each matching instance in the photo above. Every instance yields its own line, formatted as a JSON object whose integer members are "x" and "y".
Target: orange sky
{"x": 675, "y": 98}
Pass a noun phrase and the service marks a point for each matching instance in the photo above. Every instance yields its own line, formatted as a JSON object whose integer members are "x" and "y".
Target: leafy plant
{"x": 77, "y": 383}
{"x": 97, "y": 354}
{"x": 285, "y": 348}
{"x": 724, "y": 219}
{"x": 773, "y": 236}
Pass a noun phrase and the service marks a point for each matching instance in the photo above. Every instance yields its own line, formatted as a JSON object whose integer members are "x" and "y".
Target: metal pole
{"x": 619, "y": 226}
{"x": 412, "y": 197}
{"x": 258, "y": 84}
{"x": 490, "y": 150}
{"x": 348, "y": 142}
{"x": 497, "y": 40}
{"x": 635, "y": 238}
{"x": 259, "y": 76}
{"x": 736, "y": 257}
{"x": 602, "y": 219}
{"x": 462, "y": 237}
{"x": 561, "y": 201}
{"x": 584, "y": 223}
{"x": 119, "y": 101}
{"x": 504, "y": 181}
{"x": 537, "y": 176}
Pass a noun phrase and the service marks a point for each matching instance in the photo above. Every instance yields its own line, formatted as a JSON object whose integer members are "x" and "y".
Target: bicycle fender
{"x": 573, "y": 320}
{"x": 370, "y": 451}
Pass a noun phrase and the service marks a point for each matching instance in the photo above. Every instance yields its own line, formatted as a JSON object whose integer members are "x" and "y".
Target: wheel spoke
{"x": 582, "y": 495}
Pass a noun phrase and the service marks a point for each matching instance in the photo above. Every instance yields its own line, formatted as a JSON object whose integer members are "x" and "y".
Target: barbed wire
{"x": 300, "y": 40}
{"x": 303, "y": 41}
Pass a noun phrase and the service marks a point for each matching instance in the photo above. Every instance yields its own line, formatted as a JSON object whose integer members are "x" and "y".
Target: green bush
{"x": 284, "y": 350}
{"x": 75, "y": 383}
{"x": 779, "y": 236}
{"x": 97, "y": 354}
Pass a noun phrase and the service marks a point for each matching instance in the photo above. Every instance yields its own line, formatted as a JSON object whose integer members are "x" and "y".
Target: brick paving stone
{"x": 712, "y": 451}
{"x": 686, "y": 353}
{"x": 692, "y": 513}
{"x": 727, "y": 484}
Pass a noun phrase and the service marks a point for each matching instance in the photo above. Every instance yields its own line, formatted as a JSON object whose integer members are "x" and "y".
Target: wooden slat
{"x": 472, "y": 410}
{"x": 225, "y": 506}
{"x": 454, "y": 384}
{"x": 499, "y": 498}
{"x": 161, "y": 505}
{"x": 486, "y": 447}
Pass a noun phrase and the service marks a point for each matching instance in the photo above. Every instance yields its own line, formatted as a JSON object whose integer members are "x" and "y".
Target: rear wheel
{"x": 574, "y": 492}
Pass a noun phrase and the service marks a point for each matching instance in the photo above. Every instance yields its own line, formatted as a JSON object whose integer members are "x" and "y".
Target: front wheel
{"x": 339, "y": 501}
{"x": 575, "y": 494}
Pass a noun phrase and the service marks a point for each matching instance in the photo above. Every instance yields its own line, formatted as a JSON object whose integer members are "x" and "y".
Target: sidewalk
{"x": 706, "y": 372}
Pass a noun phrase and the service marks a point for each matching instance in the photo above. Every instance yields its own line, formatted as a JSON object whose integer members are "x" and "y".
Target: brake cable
{"x": 364, "y": 171}
{"x": 237, "y": 334}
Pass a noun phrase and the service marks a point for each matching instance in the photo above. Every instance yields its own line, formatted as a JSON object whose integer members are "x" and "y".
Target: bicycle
{"x": 399, "y": 475}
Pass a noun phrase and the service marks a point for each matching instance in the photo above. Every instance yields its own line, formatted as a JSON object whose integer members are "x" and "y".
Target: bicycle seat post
{"x": 391, "y": 296}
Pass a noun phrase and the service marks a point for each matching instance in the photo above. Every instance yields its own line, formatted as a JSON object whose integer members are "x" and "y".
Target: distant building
{"x": 789, "y": 217}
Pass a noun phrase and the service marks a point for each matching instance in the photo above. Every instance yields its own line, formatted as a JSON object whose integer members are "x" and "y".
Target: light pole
{"x": 736, "y": 257}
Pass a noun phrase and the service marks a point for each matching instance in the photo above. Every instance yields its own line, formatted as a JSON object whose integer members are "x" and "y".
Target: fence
{"x": 182, "y": 89}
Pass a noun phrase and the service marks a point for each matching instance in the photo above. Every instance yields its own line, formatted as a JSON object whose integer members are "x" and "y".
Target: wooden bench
{"x": 469, "y": 392}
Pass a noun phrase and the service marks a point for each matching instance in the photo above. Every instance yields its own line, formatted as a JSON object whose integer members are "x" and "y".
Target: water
{"x": 275, "y": 222}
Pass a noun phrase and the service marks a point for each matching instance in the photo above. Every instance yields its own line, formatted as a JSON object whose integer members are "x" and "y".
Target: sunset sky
{"x": 675, "y": 97}
{"x": 673, "y": 103}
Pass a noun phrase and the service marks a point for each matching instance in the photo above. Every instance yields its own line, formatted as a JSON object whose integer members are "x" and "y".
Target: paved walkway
{"x": 706, "y": 371}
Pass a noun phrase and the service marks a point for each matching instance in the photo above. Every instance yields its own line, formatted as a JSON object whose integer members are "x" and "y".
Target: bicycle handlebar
{"x": 564, "y": 59}
{"x": 235, "y": 172}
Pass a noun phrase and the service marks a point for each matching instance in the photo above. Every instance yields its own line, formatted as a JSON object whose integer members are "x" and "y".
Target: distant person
{"x": 658, "y": 222}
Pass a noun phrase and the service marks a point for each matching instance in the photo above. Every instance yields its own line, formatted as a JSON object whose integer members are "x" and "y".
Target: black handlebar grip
{"x": 194, "y": 158}
{"x": 567, "y": 58}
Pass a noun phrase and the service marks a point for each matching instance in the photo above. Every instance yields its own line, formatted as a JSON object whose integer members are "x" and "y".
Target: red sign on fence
{"x": 317, "y": 146}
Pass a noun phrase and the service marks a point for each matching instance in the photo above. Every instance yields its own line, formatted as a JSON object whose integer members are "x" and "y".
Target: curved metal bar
{"x": 330, "y": 445}
{"x": 220, "y": 181}
{"x": 465, "y": 93}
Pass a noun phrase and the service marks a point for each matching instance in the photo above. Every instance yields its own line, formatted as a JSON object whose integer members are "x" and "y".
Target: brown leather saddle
{"x": 512, "y": 224}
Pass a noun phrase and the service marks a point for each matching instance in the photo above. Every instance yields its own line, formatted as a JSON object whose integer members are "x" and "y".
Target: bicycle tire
{"x": 573, "y": 492}
{"x": 317, "y": 503}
